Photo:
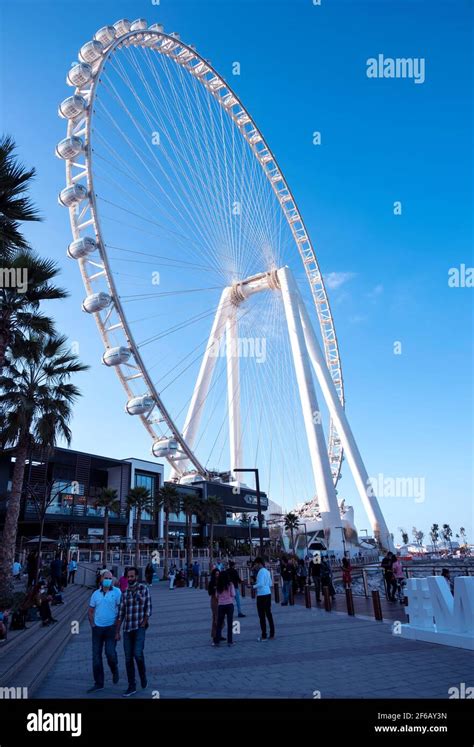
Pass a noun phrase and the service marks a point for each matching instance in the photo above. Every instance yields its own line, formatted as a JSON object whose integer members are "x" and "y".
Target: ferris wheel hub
{"x": 242, "y": 289}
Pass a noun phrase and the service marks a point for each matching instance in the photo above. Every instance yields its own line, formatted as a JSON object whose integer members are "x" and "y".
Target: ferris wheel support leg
{"x": 204, "y": 378}
{"x": 356, "y": 464}
{"x": 325, "y": 489}
{"x": 233, "y": 389}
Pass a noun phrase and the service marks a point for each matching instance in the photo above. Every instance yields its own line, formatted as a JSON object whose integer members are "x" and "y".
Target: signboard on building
{"x": 96, "y": 532}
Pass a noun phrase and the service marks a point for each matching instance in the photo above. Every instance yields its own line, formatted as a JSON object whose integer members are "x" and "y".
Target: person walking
{"x": 264, "y": 599}
{"x": 149, "y": 571}
{"x": 346, "y": 573}
{"x": 302, "y": 574}
{"x": 134, "y": 613}
{"x": 123, "y": 581}
{"x": 103, "y": 611}
{"x": 286, "y": 573}
{"x": 389, "y": 578}
{"x": 172, "y": 575}
{"x": 326, "y": 577}
{"x": 71, "y": 570}
{"x": 399, "y": 576}
{"x": 56, "y": 571}
{"x": 196, "y": 572}
{"x": 212, "y": 591}
{"x": 225, "y": 594}
{"x": 315, "y": 570}
{"x": 236, "y": 580}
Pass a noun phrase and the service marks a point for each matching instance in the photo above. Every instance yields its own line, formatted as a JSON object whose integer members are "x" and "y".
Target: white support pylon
{"x": 203, "y": 380}
{"x": 325, "y": 489}
{"x": 233, "y": 389}
{"x": 354, "y": 459}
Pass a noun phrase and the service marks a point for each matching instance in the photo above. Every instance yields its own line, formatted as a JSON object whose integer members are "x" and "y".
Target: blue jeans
{"x": 286, "y": 591}
{"x": 237, "y": 601}
{"x": 133, "y": 645}
{"x": 100, "y": 636}
{"x": 224, "y": 611}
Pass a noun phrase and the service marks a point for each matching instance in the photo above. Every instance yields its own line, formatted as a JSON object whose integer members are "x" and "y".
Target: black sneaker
{"x": 241, "y": 614}
{"x": 129, "y": 691}
{"x": 95, "y": 689}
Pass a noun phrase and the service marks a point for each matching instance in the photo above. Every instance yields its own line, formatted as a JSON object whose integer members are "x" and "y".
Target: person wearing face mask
{"x": 103, "y": 611}
{"x": 135, "y": 610}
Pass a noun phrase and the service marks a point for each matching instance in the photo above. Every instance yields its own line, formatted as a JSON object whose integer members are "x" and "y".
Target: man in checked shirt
{"x": 134, "y": 611}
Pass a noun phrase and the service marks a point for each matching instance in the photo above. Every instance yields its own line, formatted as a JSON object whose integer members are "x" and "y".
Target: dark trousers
{"x": 45, "y": 611}
{"x": 103, "y": 636}
{"x": 224, "y": 612}
{"x": 70, "y": 578}
{"x": 390, "y": 586}
{"x": 317, "y": 586}
{"x": 264, "y": 609}
{"x": 133, "y": 645}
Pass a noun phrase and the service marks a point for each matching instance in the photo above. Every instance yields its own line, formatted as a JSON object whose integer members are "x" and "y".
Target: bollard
{"x": 201, "y": 581}
{"x": 349, "y": 602}
{"x": 252, "y": 592}
{"x": 327, "y": 599}
{"x": 307, "y": 597}
{"x": 292, "y": 596}
{"x": 377, "y": 606}
{"x": 276, "y": 592}
{"x": 242, "y": 589}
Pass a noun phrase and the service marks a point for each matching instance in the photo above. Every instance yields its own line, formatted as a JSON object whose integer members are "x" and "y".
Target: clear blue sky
{"x": 303, "y": 69}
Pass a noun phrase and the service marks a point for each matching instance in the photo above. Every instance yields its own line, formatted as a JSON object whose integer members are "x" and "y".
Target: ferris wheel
{"x": 200, "y": 272}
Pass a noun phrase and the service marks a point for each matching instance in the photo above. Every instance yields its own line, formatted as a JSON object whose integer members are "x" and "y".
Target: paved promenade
{"x": 313, "y": 651}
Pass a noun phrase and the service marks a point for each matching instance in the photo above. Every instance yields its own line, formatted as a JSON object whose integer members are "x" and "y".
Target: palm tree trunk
{"x": 106, "y": 534}
{"x": 137, "y": 538}
{"x": 40, "y": 542}
{"x": 211, "y": 540}
{"x": 167, "y": 528}
{"x": 8, "y": 544}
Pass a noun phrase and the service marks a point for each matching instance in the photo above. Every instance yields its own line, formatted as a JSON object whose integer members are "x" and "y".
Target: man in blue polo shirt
{"x": 103, "y": 611}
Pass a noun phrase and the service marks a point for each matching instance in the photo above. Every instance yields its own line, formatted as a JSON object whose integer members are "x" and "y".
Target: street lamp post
{"x": 259, "y": 505}
{"x": 303, "y": 524}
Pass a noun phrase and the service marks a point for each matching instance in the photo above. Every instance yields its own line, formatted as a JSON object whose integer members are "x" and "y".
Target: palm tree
{"x": 140, "y": 499}
{"x": 246, "y": 521}
{"x": 190, "y": 505}
{"x": 15, "y": 207}
{"x": 169, "y": 500}
{"x": 447, "y": 534}
{"x": 462, "y": 532}
{"x": 405, "y": 537}
{"x": 434, "y": 534}
{"x": 211, "y": 512}
{"x": 107, "y": 499}
{"x": 36, "y": 399}
{"x": 19, "y": 311}
{"x": 291, "y": 524}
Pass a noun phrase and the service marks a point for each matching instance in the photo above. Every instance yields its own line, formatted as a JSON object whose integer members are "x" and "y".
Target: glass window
{"x": 150, "y": 482}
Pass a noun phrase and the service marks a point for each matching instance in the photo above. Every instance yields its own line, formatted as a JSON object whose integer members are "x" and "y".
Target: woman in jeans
{"x": 225, "y": 593}
{"x": 211, "y": 590}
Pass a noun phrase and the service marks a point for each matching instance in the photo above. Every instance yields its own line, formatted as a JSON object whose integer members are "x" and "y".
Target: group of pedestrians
{"x": 110, "y": 608}
{"x": 394, "y": 577}
{"x": 297, "y": 573}
{"x": 223, "y": 590}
